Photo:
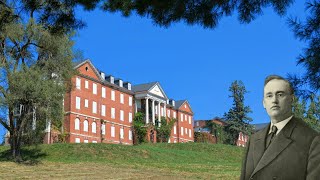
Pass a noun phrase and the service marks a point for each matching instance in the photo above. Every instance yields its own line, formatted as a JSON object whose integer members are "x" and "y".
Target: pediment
{"x": 157, "y": 90}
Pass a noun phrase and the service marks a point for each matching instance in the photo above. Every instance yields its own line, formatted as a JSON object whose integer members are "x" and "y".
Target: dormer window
{"x": 129, "y": 86}
{"x": 112, "y": 79}
{"x": 120, "y": 83}
{"x": 87, "y": 69}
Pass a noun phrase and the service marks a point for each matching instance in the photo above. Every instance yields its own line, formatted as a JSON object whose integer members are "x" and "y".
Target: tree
{"x": 164, "y": 131}
{"x": 139, "y": 128}
{"x": 237, "y": 119}
{"x": 35, "y": 64}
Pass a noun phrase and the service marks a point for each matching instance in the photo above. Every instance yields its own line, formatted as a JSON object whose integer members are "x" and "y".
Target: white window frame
{"x": 181, "y": 117}
{"x": 86, "y": 125}
{"x": 86, "y": 84}
{"x": 181, "y": 131}
{"x": 130, "y": 134}
{"x": 185, "y": 117}
{"x": 94, "y": 107}
{"x": 86, "y": 141}
{"x": 130, "y": 101}
{"x": 103, "y": 129}
{"x": 103, "y": 110}
{"x": 94, "y": 142}
{"x": 86, "y": 103}
{"x": 77, "y": 140}
{"x": 113, "y": 95}
{"x": 103, "y": 92}
{"x": 121, "y": 98}
{"x": 121, "y": 115}
{"x": 121, "y": 133}
{"x": 77, "y": 124}
{"x": 113, "y": 113}
{"x": 78, "y": 83}
{"x": 78, "y": 102}
{"x": 189, "y": 119}
{"x": 185, "y": 130}
{"x": 175, "y": 129}
{"x": 130, "y": 116}
{"x": 190, "y": 133}
{"x": 168, "y": 113}
{"x": 113, "y": 131}
{"x": 94, "y": 127}
{"x": 94, "y": 88}
{"x": 174, "y": 114}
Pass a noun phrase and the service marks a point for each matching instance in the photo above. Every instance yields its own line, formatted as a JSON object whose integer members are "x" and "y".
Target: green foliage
{"x": 203, "y": 137}
{"x": 201, "y": 12}
{"x": 237, "y": 118}
{"x": 139, "y": 128}
{"x": 35, "y": 69}
{"x": 310, "y": 115}
{"x": 164, "y": 131}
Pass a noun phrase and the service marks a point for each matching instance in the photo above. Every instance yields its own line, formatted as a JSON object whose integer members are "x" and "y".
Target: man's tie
{"x": 274, "y": 130}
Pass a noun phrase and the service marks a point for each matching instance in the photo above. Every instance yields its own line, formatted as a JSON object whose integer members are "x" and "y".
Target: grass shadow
{"x": 30, "y": 156}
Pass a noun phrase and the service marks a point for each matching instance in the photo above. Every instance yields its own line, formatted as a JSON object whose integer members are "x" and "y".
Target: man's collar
{"x": 280, "y": 125}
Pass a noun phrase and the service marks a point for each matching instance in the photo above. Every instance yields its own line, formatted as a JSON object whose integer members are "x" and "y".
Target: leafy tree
{"x": 164, "y": 131}
{"x": 217, "y": 130}
{"x": 237, "y": 118}
{"x": 313, "y": 113}
{"x": 299, "y": 108}
{"x": 139, "y": 128}
{"x": 35, "y": 65}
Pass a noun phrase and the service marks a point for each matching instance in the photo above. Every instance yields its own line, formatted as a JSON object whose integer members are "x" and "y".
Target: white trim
{"x": 97, "y": 118}
{"x": 84, "y": 135}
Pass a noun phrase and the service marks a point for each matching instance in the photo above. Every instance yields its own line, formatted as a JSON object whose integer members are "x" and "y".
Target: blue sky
{"x": 191, "y": 62}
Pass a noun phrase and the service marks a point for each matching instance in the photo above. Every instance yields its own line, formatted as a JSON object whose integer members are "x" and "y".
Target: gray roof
{"x": 143, "y": 87}
{"x": 179, "y": 103}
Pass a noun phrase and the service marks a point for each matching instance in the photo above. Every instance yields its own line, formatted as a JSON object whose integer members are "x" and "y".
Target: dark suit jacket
{"x": 294, "y": 154}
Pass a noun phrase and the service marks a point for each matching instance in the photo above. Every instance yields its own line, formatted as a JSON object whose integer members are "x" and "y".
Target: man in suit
{"x": 288, "y": 149}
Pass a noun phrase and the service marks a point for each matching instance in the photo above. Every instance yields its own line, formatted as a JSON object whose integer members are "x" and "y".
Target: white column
{"x": 165, "y": 110}
{"x": 159, "y": 113}
{"x": 147, "y": 110}
{"x": 136, "y": 106}
{"x": 153, "y": 115}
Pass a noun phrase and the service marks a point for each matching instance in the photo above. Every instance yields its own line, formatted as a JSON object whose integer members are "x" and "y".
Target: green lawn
{"x": 108, "y": 161}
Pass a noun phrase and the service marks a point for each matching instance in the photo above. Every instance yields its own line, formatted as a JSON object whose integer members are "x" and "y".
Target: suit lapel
{"x": 281, "y": 142}
{"x": 259, "y": 145}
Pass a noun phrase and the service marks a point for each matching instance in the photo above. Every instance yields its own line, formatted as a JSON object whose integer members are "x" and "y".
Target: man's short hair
{"x": 272, "y": 77}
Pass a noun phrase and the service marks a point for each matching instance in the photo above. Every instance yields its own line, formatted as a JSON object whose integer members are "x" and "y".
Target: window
{"x": 185, "y": 106}
{"x": 130, "y": 101}
{"x": 185, "y": 117}
{"x": 94, "y": 127}
{"x": 86, "y": 84}
{"x": 86, "y": 103}
{"x": 85, "y": 126}
{"x": 94, "y": 107}
{"x": 189, "y": 119}
{"x": 121, "y": 133}
{"x": 86, "y": 141}
{"x": 113, "y": 95}
{"x": 185, "y": 130}
{"x": 77, "y": 124}
{"x": 181, "y": 131}
{"x": 130, "y": 117}
{"x": 130, "y": 135}
{"x": 94, "y": 88}
{"x": 103, "y": 92}
{"x": 103, "y": 110}
{"x": 77, "y": 140}
{"x": 190, "y": 133}
{"x": 174, "y": 115}
{"x": 168, "y": 113}
{"x": 94, "y": 141}
{"x": 113, "y": 131}
{"x": 121, "y": 115}
{"x": 121, "y": 99}
{"x": 175, "y": 129}
{"x": 113, "y": 113}
{"x": 78, "y": 83}
{"x": 103, "y": 129}
{"x": 181, "y": 117}
{"x": 78, "y": 102}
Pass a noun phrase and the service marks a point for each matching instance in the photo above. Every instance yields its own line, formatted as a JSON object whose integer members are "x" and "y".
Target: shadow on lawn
{"x": 30, "y": 156}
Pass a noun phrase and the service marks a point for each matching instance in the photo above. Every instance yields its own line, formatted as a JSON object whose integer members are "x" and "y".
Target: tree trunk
{"x": 15, "y": 146}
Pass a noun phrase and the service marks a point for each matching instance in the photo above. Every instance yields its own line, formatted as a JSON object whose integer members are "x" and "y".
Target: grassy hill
{"x": 108, "y": 161}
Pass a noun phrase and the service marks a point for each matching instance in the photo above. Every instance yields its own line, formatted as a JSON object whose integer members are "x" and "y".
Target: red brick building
{"x": 101, "y": 109}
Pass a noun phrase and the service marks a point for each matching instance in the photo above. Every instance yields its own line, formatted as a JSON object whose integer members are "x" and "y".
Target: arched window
{"x": 77, "y": 124}
{"x": 85, "y": 126}
{"x": 94, "y": 127}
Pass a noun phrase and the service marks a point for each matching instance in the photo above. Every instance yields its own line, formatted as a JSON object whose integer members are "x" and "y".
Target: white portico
{"x": 151, "y": 100}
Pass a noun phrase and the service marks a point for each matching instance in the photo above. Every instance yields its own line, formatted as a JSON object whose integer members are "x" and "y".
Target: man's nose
{"x": 275, "y": 99}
